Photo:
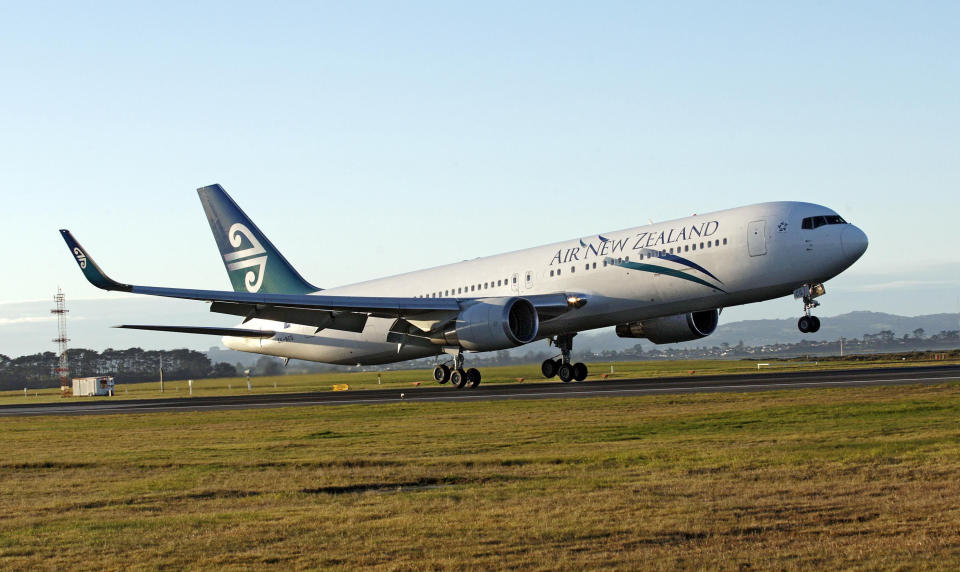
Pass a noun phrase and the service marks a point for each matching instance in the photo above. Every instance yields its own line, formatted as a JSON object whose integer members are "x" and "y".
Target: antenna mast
{"x": 63, "y": 368}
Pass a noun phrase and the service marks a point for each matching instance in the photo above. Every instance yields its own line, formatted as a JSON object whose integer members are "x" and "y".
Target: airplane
{"x": 666, "y": 282}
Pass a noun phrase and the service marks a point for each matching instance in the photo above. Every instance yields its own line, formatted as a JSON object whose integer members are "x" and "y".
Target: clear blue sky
{"x": 375, "y": 138}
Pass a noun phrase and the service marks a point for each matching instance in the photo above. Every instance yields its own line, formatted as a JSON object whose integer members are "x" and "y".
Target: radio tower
{"x": 63, "y": 368}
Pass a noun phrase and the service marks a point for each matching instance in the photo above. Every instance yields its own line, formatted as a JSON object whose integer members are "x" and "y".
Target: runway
{"x": 438, "y": 393}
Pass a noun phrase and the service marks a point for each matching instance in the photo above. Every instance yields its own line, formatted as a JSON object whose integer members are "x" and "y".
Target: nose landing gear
{"x": 561, "y": 367}
{"x": 808, "y": 323}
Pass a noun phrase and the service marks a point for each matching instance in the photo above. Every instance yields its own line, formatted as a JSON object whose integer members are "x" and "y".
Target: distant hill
{"x": 760, "y": 332}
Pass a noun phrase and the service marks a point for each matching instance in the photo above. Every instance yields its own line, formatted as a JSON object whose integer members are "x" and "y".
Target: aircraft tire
{"x": 565, "y": 372}
{"x": 803, "y": 324}
{"x": 441, "y": 374}
{"x": 458, "y": 378}
{"x": 548, "y": 368}
{"x": 579, "y": 371}
{"x": 473, "y": 377}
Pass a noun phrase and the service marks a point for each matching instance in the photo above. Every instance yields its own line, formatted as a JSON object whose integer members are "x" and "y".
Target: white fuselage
{"x": 740, "y": 255}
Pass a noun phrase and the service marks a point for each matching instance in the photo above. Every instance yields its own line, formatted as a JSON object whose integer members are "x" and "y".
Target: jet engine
{"x": 671, "y": 329}
{"x": 493, "y": 324}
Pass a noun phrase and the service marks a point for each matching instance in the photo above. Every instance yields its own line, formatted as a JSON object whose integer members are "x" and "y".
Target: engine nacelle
{"x": 671, "y": 329}
{"x": 494, "y": 324}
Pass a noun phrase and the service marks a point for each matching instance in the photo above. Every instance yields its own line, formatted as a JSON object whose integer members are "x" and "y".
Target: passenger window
{"x": 701, "y": 246}
{"x": 573, "y": 269}
{"x": 514, "y": 279}
{"x": 694, "y": 246}
{"x": 716, "y": 242}
{"x": 498, "y": 282}
{"x": 686, "y": 247}
{"x": 558, "y": 272}
{"x": 551, "y": 274}
{"x": 724, "y": 241}
{"x": 471, "y": 287}
{"x": 594, "y": 265}
{"x": 709, "y": 244}
{"x": 604, "y": 262}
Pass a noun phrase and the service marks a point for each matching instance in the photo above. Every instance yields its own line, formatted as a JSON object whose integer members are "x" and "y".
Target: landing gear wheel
{"x": 473, "y": 377}
{"x": 814, "y": 324}
{"x": 579, "y": 371}
{"x": 565, "y": 372}
{"x": 804, "y": 323}
{"x": 458, "y": 378}
{"x": 441, "y": 373}
{"x": 549, "y": 368}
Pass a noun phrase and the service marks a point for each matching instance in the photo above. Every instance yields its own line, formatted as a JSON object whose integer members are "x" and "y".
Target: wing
{"x": 319, "y": 310}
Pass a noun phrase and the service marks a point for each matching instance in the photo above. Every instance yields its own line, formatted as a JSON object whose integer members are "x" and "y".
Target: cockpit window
{"x": 812, "y": 222}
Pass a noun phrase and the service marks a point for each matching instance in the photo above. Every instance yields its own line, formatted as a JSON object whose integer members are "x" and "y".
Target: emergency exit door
{"x": 757, "y": 237}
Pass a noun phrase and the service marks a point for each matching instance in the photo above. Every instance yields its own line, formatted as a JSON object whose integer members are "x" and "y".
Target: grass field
{"x": 845, "y": 478}
{"x": 508, "y": 374}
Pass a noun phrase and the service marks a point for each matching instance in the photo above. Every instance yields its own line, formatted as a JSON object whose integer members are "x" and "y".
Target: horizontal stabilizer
{"x": 235, "y": 332}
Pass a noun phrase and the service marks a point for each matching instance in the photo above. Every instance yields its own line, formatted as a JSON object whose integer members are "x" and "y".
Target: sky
{"x": 368, "y": 139}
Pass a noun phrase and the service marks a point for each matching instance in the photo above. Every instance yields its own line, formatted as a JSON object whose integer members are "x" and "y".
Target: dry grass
{"x": 847, "y": 478}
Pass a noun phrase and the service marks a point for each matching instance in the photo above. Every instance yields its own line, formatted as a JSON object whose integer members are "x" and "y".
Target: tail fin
{"x": 252, "y": 262}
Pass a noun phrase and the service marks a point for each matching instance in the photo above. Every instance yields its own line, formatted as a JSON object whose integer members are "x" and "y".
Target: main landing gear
{"x": 561, "y": 367}
{"x": 807, "y": 323}
{"x": 458, "y": 377}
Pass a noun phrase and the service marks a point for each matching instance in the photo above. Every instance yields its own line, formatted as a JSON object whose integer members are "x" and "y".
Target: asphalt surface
{"x": 440, "y": 393}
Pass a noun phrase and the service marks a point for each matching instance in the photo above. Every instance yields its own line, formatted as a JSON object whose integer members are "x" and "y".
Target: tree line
{"x": 129, "y": 365}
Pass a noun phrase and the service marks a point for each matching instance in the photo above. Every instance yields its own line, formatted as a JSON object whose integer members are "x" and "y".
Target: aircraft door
{"x": 528, "y": 279}
{"x": 757, "y": 237}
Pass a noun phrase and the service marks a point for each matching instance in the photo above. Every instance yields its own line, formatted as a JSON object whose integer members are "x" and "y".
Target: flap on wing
{"x": 320, "y": 319}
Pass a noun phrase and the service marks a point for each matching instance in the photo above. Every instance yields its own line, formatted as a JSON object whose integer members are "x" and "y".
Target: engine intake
{"x": 494, "y": 324}
{"x": 671, "y": 329}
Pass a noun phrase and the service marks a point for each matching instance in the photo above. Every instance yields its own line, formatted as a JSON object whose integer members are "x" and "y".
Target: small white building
{"x": 87, "y": 386}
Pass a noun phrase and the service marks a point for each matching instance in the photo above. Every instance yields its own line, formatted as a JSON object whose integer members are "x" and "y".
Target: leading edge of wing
{"x": 374, "y": 305}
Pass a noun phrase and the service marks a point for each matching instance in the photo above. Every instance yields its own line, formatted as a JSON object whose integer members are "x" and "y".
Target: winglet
{"x": 89, "y": 268}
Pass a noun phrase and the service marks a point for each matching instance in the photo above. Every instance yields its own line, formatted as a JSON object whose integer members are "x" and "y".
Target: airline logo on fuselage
{"x": 650, "y": 245}
{"x": 639, "y": 242}
{"x": 254, "y": 257}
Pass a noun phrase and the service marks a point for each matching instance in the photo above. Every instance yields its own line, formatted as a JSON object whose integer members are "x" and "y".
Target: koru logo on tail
{"x": 253, "y": 257}
{"x": 81, "y": 258}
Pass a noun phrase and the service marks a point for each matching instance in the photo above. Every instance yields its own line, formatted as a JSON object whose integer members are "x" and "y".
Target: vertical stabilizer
{"x": 251, "y": 260}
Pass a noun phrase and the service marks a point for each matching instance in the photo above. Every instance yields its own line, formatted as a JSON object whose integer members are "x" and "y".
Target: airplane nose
{"x": 854, "y": 242}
